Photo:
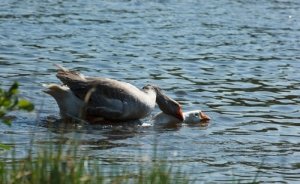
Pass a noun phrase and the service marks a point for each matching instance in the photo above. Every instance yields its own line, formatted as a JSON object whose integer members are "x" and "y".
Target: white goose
{"x": 189, "y": 117}
{"x": 95, "y": 98}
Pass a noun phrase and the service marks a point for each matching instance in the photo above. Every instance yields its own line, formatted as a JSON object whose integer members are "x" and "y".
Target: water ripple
{"x": 240, "y": 66}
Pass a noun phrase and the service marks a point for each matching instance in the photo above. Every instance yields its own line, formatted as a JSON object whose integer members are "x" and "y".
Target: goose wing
{"x": 105, "y": 97}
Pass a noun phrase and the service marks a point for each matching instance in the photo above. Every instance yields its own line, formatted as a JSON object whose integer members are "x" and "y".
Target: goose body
{"x": 108, "y": 99}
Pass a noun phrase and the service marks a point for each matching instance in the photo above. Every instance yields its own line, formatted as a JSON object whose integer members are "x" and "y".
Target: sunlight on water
{"x": 236, "y": 60}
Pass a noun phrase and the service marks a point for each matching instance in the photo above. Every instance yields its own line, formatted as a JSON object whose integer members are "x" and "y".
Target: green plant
{"x": 55, "y": 165}
{"x": 10, "y": 101}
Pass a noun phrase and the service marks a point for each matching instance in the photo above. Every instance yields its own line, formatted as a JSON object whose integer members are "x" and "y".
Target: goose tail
{"x": 66, "y": 75}
{"x": 60, "y": 67}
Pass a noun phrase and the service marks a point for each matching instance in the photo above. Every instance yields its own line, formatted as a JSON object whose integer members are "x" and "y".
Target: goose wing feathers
{"x": 98, "y": 91}
{"x": 107, "y": 97}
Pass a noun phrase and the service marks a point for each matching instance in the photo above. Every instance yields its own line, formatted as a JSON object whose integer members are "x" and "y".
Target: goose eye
{"x": 196, "y": 114}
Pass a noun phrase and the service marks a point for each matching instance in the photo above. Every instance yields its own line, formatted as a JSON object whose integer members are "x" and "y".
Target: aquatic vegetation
{"x": 10, "y": 101}
{"x": 58, "y": 166}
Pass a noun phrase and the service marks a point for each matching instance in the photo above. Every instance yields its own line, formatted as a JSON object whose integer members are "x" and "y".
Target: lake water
{"x": 239, "y": 61}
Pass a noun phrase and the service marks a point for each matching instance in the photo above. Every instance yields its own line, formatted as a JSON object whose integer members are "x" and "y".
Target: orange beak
{"x": 204, "y": 116}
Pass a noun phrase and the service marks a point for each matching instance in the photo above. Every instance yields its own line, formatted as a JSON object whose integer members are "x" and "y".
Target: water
{"x": 236, "y": 60}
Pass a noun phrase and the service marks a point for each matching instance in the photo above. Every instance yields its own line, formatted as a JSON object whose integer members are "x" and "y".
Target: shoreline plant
{"x": 10, "y": 100}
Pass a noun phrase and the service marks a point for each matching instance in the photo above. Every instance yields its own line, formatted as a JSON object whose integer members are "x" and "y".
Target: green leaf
{"x": 25, "y": 105}
{"x": 4, "y": 147}
{"x": 9, "y": 101}
{"x": 6, "y": 103}
{"x": 13, "y": 90}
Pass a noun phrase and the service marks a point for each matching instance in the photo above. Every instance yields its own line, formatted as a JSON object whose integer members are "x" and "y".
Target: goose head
{"x": 170, "y": 106}
{"x": 195, "y": 116}
{"x": 189, "y": 117}
{"x": 167, "y": 104}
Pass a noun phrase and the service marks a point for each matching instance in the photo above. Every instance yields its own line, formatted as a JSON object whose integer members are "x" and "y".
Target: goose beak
{"x": 203, "y": 116}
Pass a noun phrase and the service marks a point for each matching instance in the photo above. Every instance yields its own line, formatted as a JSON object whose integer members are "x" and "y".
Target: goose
{"x": 189, "y": 117}
{"x": 103, "y": 99}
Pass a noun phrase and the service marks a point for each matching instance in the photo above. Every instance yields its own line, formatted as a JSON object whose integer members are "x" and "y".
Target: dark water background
{"x": 237, "y": 60}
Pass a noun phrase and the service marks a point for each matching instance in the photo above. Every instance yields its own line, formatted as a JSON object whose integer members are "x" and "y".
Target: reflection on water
{"x": 236, "y": 60}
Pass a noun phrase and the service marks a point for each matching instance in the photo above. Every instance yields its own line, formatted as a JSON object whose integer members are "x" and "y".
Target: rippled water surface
{"x": 237, "y": 60}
